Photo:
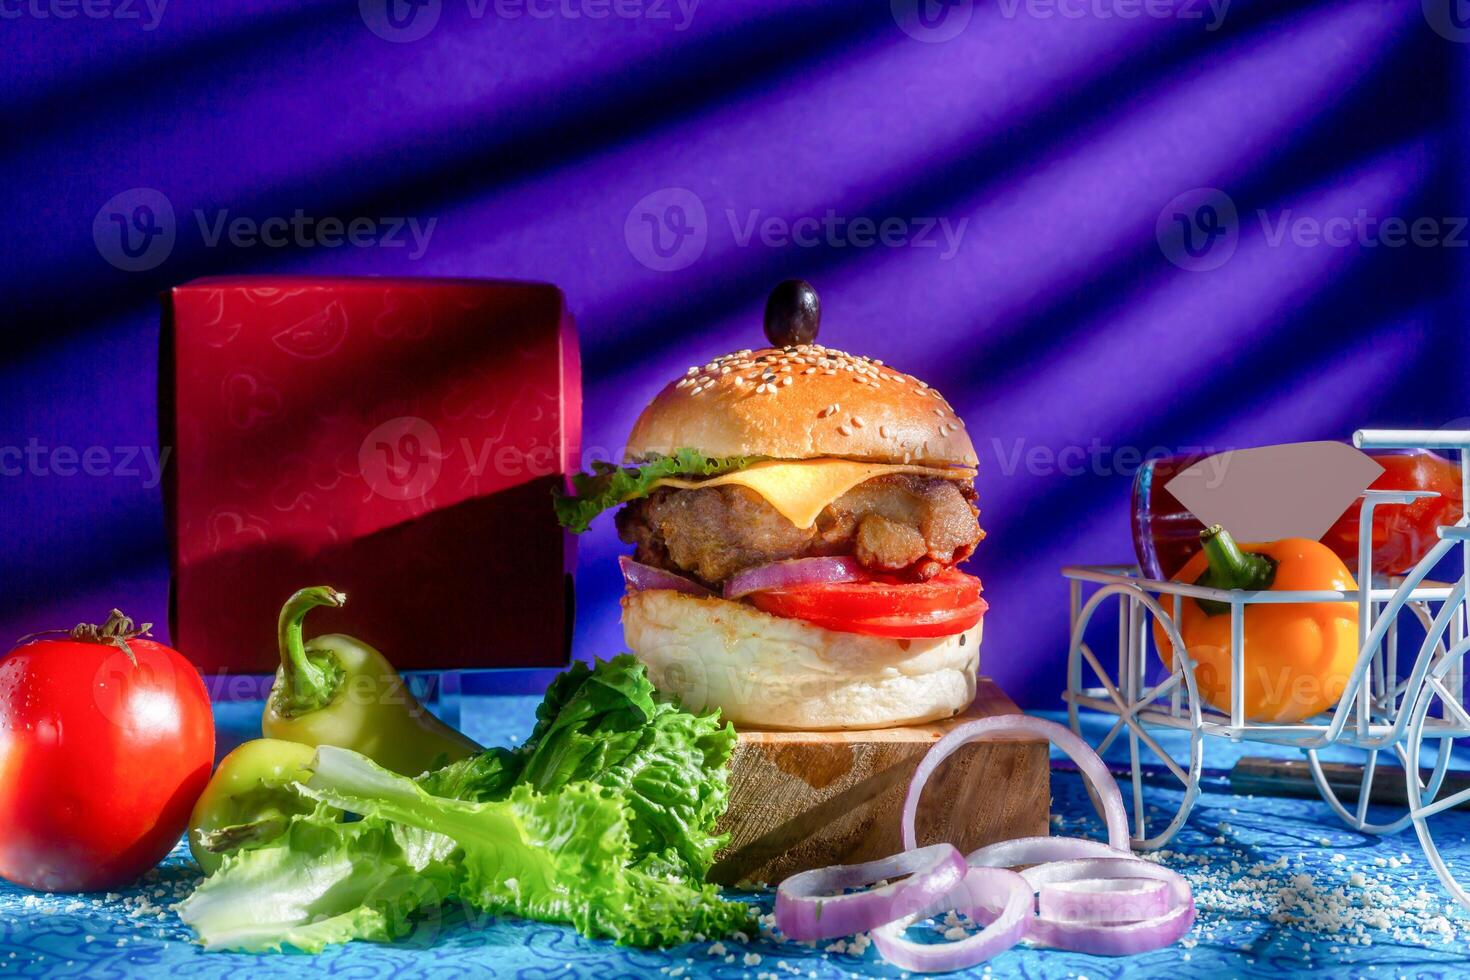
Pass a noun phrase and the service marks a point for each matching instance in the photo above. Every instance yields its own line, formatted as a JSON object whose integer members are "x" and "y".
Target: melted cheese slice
{"x": 802, "y": 489}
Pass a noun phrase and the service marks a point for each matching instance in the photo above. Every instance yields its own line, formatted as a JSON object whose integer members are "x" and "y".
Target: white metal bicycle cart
{"x": 1415, "y": 716}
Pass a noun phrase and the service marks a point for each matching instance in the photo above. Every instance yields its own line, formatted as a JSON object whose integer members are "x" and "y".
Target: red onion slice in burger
{"x": 642, "y": 578}
{"x": 794, "y": 572}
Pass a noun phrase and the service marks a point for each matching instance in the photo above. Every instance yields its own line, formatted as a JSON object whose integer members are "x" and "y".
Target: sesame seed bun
{"x": 803, "y": 402}
{"x": 764, "y": 671}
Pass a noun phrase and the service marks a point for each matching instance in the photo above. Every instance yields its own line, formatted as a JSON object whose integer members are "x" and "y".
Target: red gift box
{"x": 397, "y": 439}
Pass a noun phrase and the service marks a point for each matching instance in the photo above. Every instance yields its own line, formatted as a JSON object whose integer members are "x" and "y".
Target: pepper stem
{"x": 1231, "y": 568}
{"x": 307, "y": 681}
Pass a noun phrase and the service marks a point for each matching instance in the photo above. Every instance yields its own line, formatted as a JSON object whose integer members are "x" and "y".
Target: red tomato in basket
{"x": 101, "y": 760}
{"x": 1402, "y": 533}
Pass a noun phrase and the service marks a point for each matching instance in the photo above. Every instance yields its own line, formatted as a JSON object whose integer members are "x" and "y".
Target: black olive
{"x": 793, "y": 314}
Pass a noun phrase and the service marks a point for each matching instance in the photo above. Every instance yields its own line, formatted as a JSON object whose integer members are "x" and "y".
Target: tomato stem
{"x": 309, "y": 683}
{"x": 116, "y": 631}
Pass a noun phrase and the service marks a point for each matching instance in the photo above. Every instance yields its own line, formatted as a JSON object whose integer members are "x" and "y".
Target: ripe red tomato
{"x": 1402, "y": 534}
{"x": 948, "y": 603}
{"x": 101, "y": 759}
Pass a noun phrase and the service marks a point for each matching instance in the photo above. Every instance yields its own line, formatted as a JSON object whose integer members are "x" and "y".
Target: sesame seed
{"x": 845, "y": 430}
{"x": 829, "y": 372}
{"x": 883, "y": 431}
{"x": 695, "y": 390}
{"x": 939, "y": 412}
{"x": 810, "y": 370}
{"x": 739, "y": 381}
{"x": 787, "y": 380}
{"x": 762, "y": 388}
{"x": 857, "y": 422}
{"x": 691, "y": 372}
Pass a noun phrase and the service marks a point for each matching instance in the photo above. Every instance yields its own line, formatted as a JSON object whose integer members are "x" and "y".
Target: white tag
{"x": 1294, "y": 491}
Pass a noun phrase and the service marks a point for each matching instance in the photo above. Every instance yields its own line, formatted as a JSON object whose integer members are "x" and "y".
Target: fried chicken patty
{"x": 901, "y": 522}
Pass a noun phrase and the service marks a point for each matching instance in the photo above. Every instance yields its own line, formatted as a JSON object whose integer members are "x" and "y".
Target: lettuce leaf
{"x": 322, "y": 881}
{"x": 609, "y": 727}
{"x": 560, "y": 857}
{"x": 608, "y": 485}
{"x": 604, "y": 818}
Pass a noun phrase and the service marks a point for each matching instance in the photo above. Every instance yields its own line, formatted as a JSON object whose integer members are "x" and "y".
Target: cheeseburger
{"x": 797, "y": 516}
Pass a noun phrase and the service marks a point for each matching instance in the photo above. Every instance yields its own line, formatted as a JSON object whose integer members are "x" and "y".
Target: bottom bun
{"x": 763, "y": 671}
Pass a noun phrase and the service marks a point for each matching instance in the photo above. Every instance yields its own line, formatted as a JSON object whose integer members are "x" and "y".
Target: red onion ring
{"x": 1107, "y": 901}
{"x": 796, "y": 571}
{"x": 1112, "y": 939}
{"x": 982, "y": 890}
{"x": 1087, "y": 761}
{"x": 645, "y": 578}
{"x": 1040, "y": 850}
{"x": 810, "y": 906}
{"x": 1094, "y": 898}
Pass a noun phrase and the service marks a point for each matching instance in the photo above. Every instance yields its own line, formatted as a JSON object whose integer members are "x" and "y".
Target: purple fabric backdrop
{"x": 989, "y": 195}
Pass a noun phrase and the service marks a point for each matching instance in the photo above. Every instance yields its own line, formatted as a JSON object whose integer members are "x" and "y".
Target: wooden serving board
{"x": 801, "y": 800}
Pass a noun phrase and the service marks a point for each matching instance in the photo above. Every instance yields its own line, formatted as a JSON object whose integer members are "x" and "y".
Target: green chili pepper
{"x": 335, "y": 690}
{"x": 249, "y": 799}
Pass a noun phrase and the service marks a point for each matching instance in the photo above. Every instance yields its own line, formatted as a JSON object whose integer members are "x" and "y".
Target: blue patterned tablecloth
{"x": 1282, "y": 889}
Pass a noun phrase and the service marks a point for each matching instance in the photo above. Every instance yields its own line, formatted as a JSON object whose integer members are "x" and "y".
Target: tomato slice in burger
{"x": 947, "y": 604}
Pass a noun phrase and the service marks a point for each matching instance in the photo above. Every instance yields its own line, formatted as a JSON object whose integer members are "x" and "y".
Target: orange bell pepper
{"x": 1298, "y": 656}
